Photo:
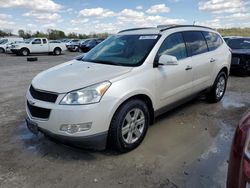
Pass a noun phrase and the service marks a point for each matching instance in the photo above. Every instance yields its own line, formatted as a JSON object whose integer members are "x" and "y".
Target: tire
{"x": 2, "y": 50}
{"x": 57, "y": 51}
{"x": 218, "y": 89}
{"x": 133, "y": 118}
{"x": 24, "y": 52}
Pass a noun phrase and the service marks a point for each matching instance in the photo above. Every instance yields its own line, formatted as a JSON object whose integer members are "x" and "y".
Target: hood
{"x": 75, "y": 75}
{"x": 241, "y": 51}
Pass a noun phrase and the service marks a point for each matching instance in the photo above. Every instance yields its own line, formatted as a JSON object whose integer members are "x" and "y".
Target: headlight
{"x": 87, "y": 95}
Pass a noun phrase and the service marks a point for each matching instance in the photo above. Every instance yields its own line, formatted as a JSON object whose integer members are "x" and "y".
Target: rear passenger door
{"x": 44, "y": 47}
{"x": 197, "y": 49}
{"x": 173, "y": 82}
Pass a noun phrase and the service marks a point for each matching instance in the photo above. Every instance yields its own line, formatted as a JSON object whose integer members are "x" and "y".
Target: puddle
{"x": 229, "y": 102}
{"x": 210, "y": 170}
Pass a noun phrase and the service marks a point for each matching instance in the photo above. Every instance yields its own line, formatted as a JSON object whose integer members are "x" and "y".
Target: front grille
{"x": 235, "y": 60}
{"x": 38, "y": 112}
{"x": 42, "y": 95}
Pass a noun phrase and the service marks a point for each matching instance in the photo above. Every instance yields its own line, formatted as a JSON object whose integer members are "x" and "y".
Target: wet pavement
{"x": 186, "y": 147}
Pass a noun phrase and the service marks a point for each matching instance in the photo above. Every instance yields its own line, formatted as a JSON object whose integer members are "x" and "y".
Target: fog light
{"x": 74, "y": 128}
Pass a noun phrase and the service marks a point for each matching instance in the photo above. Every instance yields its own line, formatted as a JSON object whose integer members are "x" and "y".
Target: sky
{"x": 98, "y": 16}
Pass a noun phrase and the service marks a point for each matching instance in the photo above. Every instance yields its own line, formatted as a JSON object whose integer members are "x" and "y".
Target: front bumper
{"x": 15, "y": 51}
{"x": 98, "y": 114}
{"x": 97, "y": 141}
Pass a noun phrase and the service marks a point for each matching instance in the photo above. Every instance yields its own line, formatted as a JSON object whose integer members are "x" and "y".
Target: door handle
{"x": 188, "y": 67}
{"x": 212, "y": 60}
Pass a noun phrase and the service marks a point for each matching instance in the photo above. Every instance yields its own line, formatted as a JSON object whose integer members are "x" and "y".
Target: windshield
{"x": 124, "y": 50}
{"x": 243, "y": 43}
{"x": 3, "y": 41}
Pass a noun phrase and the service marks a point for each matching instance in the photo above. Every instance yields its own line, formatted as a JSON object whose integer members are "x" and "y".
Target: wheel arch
{"x": 57, "y": 47}
{"x": 224, "y": 69}
{"x": 3, "y": 49}
{"x": 26, "y": 48}
{"x": 142, "y": 96}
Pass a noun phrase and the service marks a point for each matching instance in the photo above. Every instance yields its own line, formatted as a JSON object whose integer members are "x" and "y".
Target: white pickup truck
{"x": 37, "y": 45}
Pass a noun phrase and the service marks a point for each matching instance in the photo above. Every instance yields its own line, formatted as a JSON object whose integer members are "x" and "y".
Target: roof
{"x": 160, "y": 28}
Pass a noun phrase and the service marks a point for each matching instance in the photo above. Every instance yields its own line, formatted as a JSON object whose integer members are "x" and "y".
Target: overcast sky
{"x": 85, "y": 16}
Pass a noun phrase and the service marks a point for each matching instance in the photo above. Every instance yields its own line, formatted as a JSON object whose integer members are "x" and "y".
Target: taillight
{"x": 247, "y": 146}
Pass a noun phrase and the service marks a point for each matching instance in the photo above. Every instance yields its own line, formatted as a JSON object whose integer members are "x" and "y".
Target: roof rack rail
{"x": 134, "y": 29}
{"x": 176, "y": 26}
{"x": 166, "y": 26}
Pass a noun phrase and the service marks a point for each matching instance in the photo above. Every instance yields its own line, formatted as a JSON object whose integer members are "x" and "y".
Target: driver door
{"x": 36, "y": 45}
{"x": 174, "y": 82}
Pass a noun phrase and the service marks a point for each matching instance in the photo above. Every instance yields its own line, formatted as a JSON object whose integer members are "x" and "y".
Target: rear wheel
{"x": 129, "y": 125}
{"x": 219, "y": 87}
{"x": 24, "y": 52}
{"x": 57, "y": 51}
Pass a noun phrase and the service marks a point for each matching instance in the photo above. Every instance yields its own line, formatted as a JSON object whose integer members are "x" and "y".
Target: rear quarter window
{"x": 214, "y": 41}
{"x": 195, "y": 42}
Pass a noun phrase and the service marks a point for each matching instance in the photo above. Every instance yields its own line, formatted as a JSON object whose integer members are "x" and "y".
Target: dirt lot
{"x": 187, "y": 147}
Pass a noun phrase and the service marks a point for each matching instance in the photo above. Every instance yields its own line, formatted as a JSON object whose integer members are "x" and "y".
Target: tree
{"x": 55, "y": 34}
{"x": 40, "y": 34}
{"x": 73, "y": 35}
{"x": 2, "y": 33}
{"x": 21, "y": 33}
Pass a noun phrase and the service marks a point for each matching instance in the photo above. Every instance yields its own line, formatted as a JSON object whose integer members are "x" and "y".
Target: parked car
{"x": 239, "y": 163}
{"x": 226, "y": 38}
{"x": 10, "y": 45}
{"x": 73, "y": 44}
{"x": 55, "y": 41}
{"x": 89, "y": 44}
{"x": 117, "y": 89}
{"x": 38, "y": 45}
{"x": 65, "y": 40}
{"x": 240, "y": 55}
{"x": 4, "y": 42}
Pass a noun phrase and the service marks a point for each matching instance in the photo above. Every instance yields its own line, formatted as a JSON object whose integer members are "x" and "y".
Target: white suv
{"x": 116, "y": 90}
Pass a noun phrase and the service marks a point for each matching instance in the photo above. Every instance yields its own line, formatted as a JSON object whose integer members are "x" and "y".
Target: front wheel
{"x": 2, "y": 50}
{"x": 57, "y": 51}
{"x": 129, "y": 125}
{"x": 218, "y": 89}
{"x": 24, "y": 52}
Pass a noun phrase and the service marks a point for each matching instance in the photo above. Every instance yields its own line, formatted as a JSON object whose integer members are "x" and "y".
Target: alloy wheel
{"x": 220, "y": 87}
{"x": 133, "y": 125}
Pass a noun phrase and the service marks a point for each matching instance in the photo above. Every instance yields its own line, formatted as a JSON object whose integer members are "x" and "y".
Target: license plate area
{"x": 32, "y": 126}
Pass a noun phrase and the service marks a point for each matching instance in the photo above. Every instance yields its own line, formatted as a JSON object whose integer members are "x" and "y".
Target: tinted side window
{"x": 44, "y": 41}
{"x": 195, "y": 42}
{"x": 173, "y": 45}
{"x": 213, "y": 40}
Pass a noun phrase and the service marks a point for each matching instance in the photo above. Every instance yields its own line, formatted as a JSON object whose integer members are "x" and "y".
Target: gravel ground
{"x": 187, "y": 147}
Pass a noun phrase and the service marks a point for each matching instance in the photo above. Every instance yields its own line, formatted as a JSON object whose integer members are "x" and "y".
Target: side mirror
{"x": 167, "y": 60}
